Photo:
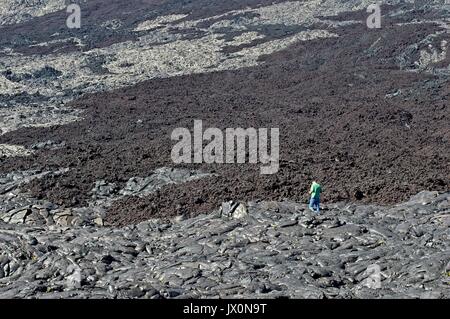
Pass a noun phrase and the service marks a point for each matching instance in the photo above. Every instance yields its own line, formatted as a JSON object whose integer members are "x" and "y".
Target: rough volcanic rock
{"x": 92, "y": 205}
{"x": 278, "y": 249}
{"x": 383, "y": 123}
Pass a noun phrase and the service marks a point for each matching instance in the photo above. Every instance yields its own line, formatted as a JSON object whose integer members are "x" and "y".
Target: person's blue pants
{"x": 314, "y": 204}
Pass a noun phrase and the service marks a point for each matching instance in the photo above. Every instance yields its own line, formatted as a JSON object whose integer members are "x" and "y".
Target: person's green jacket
{"x": 315, "y": 190}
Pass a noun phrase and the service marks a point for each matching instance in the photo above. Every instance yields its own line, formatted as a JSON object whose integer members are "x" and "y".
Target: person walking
{"x": 314, "y": 202}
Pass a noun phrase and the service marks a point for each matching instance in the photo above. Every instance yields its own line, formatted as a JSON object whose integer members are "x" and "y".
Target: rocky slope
{"x": 92, "y": 206}
{"x": 377, "y": 99}
{"x": 261, "y": 249}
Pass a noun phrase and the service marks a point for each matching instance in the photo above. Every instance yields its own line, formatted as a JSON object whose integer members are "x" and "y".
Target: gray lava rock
{"x": 257, "y": 249}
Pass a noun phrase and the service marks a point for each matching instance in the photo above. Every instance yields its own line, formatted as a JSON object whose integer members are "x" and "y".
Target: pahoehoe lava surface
{"x": 329, "y": 97}
{"x": 92, "y": 205}
{"x": 276, "y": 250}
